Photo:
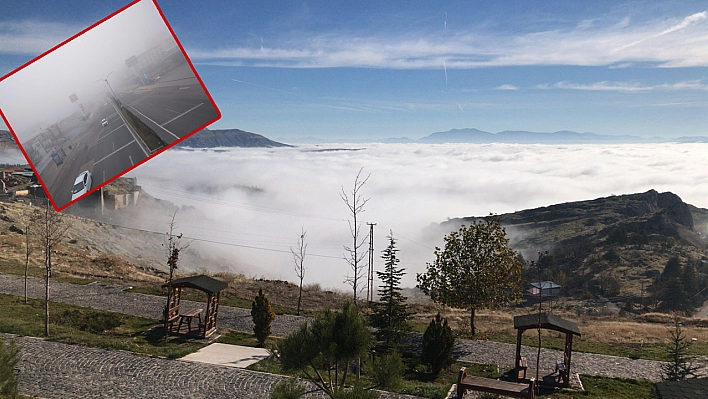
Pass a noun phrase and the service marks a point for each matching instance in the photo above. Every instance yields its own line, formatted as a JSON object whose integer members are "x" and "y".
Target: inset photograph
{"x": 104, "y": 101}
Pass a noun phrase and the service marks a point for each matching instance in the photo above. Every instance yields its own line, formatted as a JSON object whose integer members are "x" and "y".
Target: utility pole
{"x": 370, "y": 274}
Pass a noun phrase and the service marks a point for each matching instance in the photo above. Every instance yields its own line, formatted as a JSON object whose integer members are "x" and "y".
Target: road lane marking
{"x": 104, "y": 158}
{"x": 183, "y": 113}
{"x": 148, "y": 118}
{"x": 130, "y": 130}
{"x": 131, "y": 160}
{"x": 103, "y": 137}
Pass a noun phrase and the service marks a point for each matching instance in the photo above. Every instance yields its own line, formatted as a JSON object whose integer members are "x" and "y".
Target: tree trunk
{"x": 27, "y": 251}
{"x": 48, "y": 266}
{"x": 299, "y": 298}
{"x": 472, "y": 329}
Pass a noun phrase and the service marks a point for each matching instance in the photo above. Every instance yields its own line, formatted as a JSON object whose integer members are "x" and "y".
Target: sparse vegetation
{"x": 386, "y": 371}
{"x": 288, "y": 388}
{"x": 135, "y": 334}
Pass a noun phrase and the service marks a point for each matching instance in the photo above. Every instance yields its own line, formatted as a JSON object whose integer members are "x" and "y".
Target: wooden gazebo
{"x": 175, "y": 317}
{"x": 548, "y": 322}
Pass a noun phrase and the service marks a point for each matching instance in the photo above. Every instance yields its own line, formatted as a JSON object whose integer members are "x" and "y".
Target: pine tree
{"x": 437, "y": 344}
{"x": 263, "y": 316}
{"x": 680, "y": 367}
{"x": 390, "y": 312}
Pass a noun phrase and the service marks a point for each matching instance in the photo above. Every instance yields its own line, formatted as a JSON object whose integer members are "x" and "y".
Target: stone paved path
{"x": 55, "y": 370}
{"x": 112, "y": 297}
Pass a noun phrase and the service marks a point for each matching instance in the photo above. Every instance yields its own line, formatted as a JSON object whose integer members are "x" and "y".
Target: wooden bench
{"x": 523, "y": 366}
{"x": 188, "y": 315}
{"x": 514, "y": 389}
{"x": 171, "y": 316}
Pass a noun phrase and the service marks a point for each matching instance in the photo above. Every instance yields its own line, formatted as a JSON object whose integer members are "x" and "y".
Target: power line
{"x": 236, "y": 204}
{"x": 220, "y": 242}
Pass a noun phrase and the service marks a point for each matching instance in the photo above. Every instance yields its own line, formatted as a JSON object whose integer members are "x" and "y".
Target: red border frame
{"x": 199, "y": 79}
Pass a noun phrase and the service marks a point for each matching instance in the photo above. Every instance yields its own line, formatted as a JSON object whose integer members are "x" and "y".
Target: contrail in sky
{"x": 261, "y": 86}
{"x": 445, "y": 68}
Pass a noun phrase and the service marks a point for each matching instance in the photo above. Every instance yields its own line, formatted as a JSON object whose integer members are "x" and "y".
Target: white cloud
{"x": 666, "y": 43}
{"x": 632, "y": 87}
{"x": 264, "y": 196}
{"x": 33, "y": 37}
{"x": 507, "y": 87}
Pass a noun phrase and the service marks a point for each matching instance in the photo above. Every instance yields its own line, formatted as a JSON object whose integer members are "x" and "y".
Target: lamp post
{"x": 109, "y": 86}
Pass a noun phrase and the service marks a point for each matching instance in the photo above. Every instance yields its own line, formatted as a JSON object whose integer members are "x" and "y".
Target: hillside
{"x": 207, "y": 138}
{"x": 6, "y": 139}
{"x": 626, "y": 238}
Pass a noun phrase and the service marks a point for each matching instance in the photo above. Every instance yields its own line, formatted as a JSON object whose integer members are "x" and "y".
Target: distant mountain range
{"x": 476, "y": 136}
{"x": 208, "y": 138}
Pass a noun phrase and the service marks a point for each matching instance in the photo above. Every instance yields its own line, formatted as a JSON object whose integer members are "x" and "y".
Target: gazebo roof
{"x": 548, "y": 322}
{"x": 201, "y": 282}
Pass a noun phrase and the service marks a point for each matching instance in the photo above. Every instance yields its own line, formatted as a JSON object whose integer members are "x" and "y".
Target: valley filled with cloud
{"x": 255, "y": 201}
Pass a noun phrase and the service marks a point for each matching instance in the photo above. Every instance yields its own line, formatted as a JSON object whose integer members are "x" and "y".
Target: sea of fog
{"x": 256, "y": 201}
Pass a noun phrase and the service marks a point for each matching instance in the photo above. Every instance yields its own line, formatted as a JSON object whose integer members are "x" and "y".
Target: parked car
{"x": 82, "y": 185}
{"x": 104, "y": 122}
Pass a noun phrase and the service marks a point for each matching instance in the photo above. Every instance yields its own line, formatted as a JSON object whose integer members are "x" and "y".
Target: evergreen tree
{"x": 263, "y": 316}
{"x": 437, "y": 344}
{"x": 680, "y": 367}
{"x": 325, "y": 348}
{"x": 390, "y": 312}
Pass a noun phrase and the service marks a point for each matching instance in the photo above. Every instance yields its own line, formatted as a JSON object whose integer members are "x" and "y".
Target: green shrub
{"x": 386, "y": 372}
{"x": 288, "y": 389}
{"x": 9, "y": 357}
{"x": 263, "y": 316}
{"x": 438, "y": 341}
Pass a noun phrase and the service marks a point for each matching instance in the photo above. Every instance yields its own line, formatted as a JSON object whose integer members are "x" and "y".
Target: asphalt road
{"x": 173, "y": 107}
{"x": 105, "y": 151}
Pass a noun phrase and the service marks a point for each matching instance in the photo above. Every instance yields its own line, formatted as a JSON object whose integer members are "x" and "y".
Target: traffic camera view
{"x": 104, "y": 102}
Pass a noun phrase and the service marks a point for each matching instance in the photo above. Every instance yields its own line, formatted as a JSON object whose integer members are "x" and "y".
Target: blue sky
{"x": 371, "y": 69}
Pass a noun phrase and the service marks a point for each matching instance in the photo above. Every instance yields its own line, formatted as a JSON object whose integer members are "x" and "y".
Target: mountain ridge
{"x": 207, "y": 138}
{"x": 627, "y": 237}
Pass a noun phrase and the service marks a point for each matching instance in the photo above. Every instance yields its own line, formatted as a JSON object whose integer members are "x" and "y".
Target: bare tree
{"x": 299, "y": 260}
{"x": 173, "y": 248}
{"x": 28, "y": 219}
{"x": 52, "y": 227}
{"x": 355, "y": 254}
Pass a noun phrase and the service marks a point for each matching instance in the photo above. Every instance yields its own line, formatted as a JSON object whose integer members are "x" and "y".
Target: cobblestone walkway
{"x": 112, "y": 297}
{"x": 55, "y": 370}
